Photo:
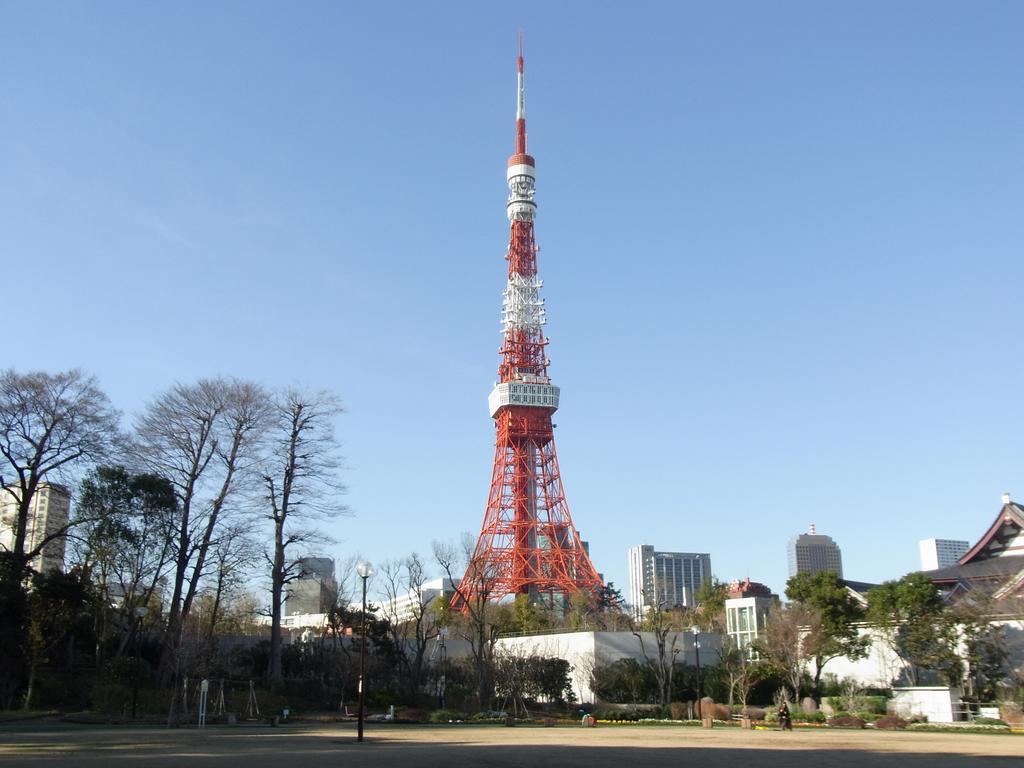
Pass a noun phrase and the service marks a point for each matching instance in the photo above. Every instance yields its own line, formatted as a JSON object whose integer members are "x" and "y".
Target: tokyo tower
{"x": 528, "y": 544}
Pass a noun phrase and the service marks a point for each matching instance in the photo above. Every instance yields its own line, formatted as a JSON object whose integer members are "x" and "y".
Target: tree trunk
{"x": 277, "y": 576}
{"x": 28, "y": 688}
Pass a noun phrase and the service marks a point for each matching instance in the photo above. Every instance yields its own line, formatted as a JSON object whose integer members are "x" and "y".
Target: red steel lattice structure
{"x": 528, "y": 543}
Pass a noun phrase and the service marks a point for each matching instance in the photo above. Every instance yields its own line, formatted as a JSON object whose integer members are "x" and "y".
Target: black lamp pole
{"x": 700, "y": 687}
{"x": 140, "y": 614}
{"x": 444, "y": 666}
{"x": 365, "y": 571}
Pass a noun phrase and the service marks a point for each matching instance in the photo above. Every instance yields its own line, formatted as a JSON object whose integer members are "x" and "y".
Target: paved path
{"x": 42, "y": 744}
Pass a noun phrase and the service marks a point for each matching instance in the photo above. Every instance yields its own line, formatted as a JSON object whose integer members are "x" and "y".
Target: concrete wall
{"x": 877, "y": 670}
{"x": 935, "y": 703}
{"x": 585, "y": 650}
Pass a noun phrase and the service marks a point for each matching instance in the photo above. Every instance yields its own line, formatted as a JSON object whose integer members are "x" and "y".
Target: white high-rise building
{"x": 665, "y": 579}
{"x": 813, "y": 552}
{"x": 941, "y": 553}
{"x": 406, "y": 606}
{"x": 48, "y": 514}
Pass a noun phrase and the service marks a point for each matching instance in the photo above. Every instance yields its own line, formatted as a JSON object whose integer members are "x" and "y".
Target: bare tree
{"x": 668, "y": 625}
{"x": 740, "y": 671}
{"x": 413, "y": 627}
{"x": 234, "y": 554}
{"x": 50, "y": 424}
{"x": 479, "y": 622}
{"x": 203, "y": 437}
{"x": 782, "y": 644}
{"x": 301, "y": 484}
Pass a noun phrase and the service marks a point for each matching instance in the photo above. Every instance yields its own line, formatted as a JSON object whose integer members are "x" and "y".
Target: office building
{"x": 314, "y": 590}
{"x": 406, "y": 607}
{"x": 813, "y": 552}
{"x": 941, "y": 553}
{"x": 665, "y": 579}
{"x": 48, "y": 514}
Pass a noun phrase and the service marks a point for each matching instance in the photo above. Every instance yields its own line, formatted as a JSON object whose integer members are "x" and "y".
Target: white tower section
{"x": 523, "y": 308}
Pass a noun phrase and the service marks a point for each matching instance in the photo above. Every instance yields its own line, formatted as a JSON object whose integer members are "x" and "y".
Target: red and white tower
{"x": 528, "y": 544}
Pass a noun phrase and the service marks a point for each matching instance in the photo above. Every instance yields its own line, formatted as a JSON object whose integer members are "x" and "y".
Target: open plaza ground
{"x": 59, "y": 744}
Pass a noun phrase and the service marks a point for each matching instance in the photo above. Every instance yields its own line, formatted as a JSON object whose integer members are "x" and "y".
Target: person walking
{"x": 784, "y": 718}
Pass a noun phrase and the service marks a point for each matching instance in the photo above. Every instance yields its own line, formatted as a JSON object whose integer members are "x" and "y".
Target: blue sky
{"x": 781, "y": 246}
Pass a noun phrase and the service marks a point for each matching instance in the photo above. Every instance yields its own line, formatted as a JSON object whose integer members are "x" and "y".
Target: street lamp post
{"x": 443, "y": 634}
{"x": 700, "y": 687}
{"x": 140, "y": 614}
{"x": 365, "y": 571}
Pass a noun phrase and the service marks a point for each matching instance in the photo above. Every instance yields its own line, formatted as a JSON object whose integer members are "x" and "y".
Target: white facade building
{"x": 745, "y": 620}
{"x": 404, "y": 607}
{"x": 49, "y": 513}
{"x": 665, "y": 579}
{"x": 941, "y": 553}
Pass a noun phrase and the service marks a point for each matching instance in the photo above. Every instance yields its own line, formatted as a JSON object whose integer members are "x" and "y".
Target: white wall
{"x": 584, "y": 650}
{"x": 935, "y": 703}
{"x": 877, "y": 670}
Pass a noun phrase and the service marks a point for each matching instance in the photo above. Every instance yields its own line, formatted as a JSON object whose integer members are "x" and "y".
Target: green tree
{"x": 711, "y": 596}
{"x": 528, "y": 616}
{"x": 624, "y": 680}
{"x": 59, "y": 608}
{"x": 834, "y": 631}
{"x": 985, "y": 643}
{"x": 911, "y": 617}
{"x": 125, "y": 523}
{"x": 519, "y": 679}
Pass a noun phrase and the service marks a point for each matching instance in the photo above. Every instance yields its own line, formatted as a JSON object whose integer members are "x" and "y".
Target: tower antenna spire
{"x": 520, "y": 103}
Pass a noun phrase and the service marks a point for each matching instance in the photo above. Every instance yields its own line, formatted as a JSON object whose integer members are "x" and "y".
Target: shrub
{"x": 490, "y": 714}
{"x": 446, "y": 716}
{"x": 754, "y": 713}
{"x": 808, "y": 717}
{"x": 877, "y": 705}
{"x": 890, "y": 722}
{"x": 678, "y": 710}
{"x": 961, "y": 727}
{"x": 716, "y": 711}
{"x": 845, "y": 721}
{"x": 412, "y": 715}
{"x": 988, "y": 721}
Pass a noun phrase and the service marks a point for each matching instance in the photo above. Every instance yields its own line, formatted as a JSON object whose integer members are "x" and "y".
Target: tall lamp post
{"x": 365, "y": 571}
{"x": 140, "y": 614}
{"x": 700, "y": 688}
{"x": 443, "y": 635}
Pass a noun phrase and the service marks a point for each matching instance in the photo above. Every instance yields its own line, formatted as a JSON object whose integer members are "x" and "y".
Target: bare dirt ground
{"x": 54, "y": 744}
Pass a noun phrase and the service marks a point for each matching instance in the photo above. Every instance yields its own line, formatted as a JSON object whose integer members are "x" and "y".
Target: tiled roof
{"x": 1000, "y": 568}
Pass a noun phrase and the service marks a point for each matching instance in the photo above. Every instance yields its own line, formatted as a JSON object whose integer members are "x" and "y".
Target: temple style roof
{"x": 995, "y": 561}
{"x": 1005, "y": 537}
